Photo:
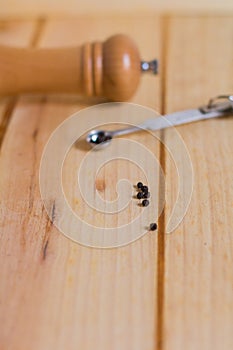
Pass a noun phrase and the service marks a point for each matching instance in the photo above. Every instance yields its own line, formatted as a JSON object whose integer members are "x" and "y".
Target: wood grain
{"x": 66, "y": 295}
{"x": 198, "y": 294}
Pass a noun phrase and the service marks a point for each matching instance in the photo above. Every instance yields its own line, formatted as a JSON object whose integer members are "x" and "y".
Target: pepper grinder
{"x": 111, "y": 69}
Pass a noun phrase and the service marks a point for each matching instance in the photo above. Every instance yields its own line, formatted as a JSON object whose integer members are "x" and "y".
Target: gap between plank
{"x": 161, "y": 222}
{"x": 11, "y": 104}
{"x": 40, "y": 25}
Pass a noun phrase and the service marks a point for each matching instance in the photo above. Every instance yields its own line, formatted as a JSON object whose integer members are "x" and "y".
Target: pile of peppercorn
{"x": 143, "y": 193}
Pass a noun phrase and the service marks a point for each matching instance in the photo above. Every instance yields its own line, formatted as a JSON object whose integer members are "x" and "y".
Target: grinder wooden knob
{"x": 111, "y": 69}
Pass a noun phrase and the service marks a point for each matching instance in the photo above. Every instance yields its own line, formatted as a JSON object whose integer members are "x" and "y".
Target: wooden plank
{"x": 198, "y": 292}
{"x": 67, "y": 295}
{"x": 21, "y": 34}
{"x": 17, "y": 33}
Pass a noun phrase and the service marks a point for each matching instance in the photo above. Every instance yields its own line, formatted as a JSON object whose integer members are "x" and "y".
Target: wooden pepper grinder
{"x": 111, "y": 69}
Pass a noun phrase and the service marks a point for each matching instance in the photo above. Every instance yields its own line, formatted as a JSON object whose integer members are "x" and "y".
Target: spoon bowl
{"x": 99, "y": 138}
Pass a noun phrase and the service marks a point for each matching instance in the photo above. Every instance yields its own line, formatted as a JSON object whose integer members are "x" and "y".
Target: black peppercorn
{"x": 146, "y": 195}
{"x": 145, "y": 202}
{"x": 153, "y": 226}
{"x": 139, "y": 195}
{"x": 139, "y": 185}
{"x": 144, "y": 189}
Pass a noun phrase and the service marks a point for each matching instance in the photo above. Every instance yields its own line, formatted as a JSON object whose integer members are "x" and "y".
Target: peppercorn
{"x": 144, "y": 189}
{"x": 139, "y": 195}
{"x": 145, "y": 203}
{"x": 146, "y": 195}
{"x": 153, "y": 226}
{"x": 139, "y": 185}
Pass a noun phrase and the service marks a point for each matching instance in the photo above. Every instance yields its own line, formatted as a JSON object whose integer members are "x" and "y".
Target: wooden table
{"x": 162, "y": 291}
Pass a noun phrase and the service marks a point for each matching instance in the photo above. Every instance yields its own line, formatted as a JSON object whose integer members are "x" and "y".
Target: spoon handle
{"x": 178, "y": 118}
{"x": 169, "y": 120}
{"x": 166, "y": 121}
{"x": 126, "y": 131}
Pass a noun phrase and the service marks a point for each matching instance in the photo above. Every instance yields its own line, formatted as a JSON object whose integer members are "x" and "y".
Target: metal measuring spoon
{"x": 102, "y": 138}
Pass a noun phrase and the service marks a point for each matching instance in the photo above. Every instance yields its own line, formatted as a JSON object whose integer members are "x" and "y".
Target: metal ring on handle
{"x": 215, "y": 105}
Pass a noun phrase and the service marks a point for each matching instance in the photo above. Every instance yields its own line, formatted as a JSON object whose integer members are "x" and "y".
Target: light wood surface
{"x": 163, "y": 291}
{"x": 80, "y": 297}
{"x": 198, "y": 291}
